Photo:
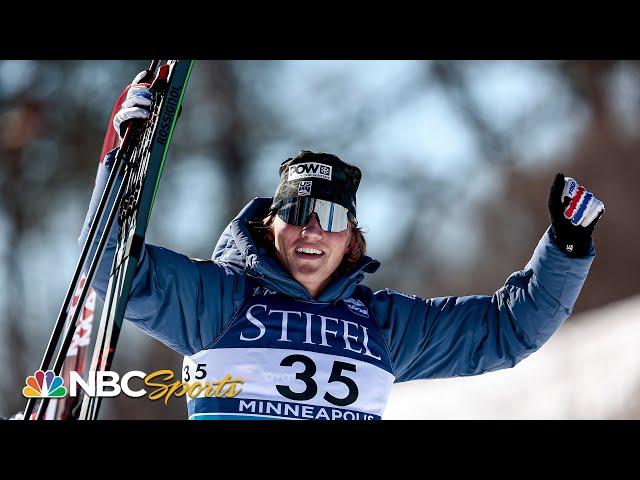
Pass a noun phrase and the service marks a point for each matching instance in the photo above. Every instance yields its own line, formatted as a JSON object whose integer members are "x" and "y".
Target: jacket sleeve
{"x": 460, "y": 336}
{"x": 182, "y": 302}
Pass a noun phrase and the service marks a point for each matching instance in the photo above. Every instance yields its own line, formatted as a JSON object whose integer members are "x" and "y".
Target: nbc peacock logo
{"x": 44, "y": 385}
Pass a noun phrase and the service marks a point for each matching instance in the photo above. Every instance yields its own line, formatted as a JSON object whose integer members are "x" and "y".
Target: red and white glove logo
{"x": 583, "y": 206}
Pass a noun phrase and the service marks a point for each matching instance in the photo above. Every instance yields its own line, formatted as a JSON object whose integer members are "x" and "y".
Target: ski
{"x": 140, "y": 161}
{"x": 147, "y": 163}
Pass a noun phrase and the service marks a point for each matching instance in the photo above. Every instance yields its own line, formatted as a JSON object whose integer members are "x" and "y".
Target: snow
{"x": 590, "y": 369}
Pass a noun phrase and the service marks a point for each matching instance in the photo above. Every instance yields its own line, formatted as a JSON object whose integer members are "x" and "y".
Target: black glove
{"x": 574, "y": 213}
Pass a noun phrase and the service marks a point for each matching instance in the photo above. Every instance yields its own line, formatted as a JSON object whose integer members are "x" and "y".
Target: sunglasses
{"x": 331, "y": 216}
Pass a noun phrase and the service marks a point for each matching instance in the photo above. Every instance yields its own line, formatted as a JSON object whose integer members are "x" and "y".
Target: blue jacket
{"x": 201, "y": 308}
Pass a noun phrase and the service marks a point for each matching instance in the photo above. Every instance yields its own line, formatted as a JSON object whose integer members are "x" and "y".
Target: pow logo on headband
{"x": 309, "y": 169}
{"x": 583, "y": 207}
{"x": 304, "y": 188}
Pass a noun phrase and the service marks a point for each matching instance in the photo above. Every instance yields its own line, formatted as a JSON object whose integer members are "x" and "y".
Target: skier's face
{"x": 309, "y": 253}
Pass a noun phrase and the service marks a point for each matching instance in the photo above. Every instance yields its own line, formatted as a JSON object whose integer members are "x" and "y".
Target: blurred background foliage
{"x": 457, "y": 159}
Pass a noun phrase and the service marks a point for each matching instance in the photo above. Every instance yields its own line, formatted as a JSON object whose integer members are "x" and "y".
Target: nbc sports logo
{"x": 44, "y": 385}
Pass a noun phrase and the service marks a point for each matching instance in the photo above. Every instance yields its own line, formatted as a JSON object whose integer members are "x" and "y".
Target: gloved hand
{"x": 135, "y": 105}
{"x": 574, "y": 213}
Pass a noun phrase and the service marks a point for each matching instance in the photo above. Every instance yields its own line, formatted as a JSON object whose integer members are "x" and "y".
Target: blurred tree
{"x": 603, "y": 157}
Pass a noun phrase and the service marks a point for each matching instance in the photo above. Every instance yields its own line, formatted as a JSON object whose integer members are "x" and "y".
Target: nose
{"x": 312, "y": 229}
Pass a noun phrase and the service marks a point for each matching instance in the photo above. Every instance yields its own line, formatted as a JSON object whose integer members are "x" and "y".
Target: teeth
{"x": 309, "y": 250}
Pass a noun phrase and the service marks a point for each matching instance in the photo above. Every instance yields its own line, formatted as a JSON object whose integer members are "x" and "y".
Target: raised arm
{"x": 460, "y": 336}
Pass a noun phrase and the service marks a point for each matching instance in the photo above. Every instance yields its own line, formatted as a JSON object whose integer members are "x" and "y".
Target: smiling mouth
{"x": 306, "y": 252}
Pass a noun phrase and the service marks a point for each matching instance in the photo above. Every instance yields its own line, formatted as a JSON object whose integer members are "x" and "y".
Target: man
{"x": 278, "y": 324}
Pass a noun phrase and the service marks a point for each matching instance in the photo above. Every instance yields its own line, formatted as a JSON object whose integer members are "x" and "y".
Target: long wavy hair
{"x": 262, "y": 233}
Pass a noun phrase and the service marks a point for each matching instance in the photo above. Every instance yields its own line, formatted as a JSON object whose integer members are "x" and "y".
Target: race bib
{"x": 288, "y": 359}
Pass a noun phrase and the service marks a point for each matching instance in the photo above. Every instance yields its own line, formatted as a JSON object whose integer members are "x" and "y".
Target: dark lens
{"x": 331, "y": 216}
{"x": 296, "y": 210}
